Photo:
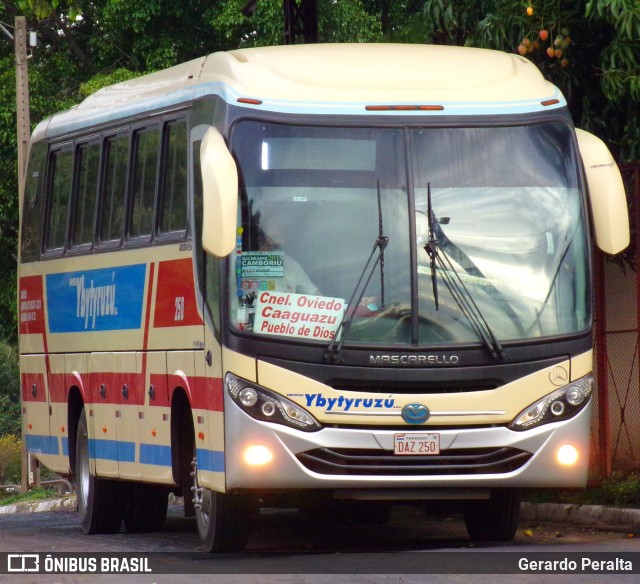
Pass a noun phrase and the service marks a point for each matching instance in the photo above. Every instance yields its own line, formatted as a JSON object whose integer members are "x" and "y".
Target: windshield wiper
{"x": 431, "y": 247}
{"x": 455, "y": 284}
{"x": 333, "y": 350}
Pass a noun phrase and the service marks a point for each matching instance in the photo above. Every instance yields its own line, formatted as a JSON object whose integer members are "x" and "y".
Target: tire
{"x": 222, "y": 519}
{"x": 146, "y": 508}
{"x": 100, "y": 501}
{"x": 495, "y": 519}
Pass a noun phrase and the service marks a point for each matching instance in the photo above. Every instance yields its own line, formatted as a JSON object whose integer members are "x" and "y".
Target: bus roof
{"x": 332, "y": 79}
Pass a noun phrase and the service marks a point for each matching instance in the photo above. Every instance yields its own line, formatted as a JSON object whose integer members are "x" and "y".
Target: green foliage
{"x": 103, "y": 80}
{"x": 620, "y": 490}
{"x": 9, "y": 391}
{"x": 42, "y": 9}
{"x": 591, "y": 51}
{"x": 337, "y": 22}
{"x": 10, "y": 460}
{"x": 39, "y": 494}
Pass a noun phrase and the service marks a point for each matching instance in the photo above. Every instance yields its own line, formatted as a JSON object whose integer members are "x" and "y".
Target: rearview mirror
{"x": 607, "y": 197}
{"x": 220, "y": 195}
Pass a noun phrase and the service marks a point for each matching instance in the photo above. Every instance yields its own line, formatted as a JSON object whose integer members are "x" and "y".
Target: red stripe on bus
{"x": 176, "y": 303}
{"x": 58, "y": 386}
{"x": 208, "y": 394}
{"x": 31, "y": 306}
{"x": 32, "y": 387}
{"x": 128, "y": 389}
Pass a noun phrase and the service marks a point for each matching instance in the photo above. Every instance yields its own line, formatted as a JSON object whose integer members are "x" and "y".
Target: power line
{"x": 6, "y": 31}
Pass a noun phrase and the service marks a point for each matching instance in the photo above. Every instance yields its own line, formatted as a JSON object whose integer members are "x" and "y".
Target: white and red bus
{"x": 322, "y": 275}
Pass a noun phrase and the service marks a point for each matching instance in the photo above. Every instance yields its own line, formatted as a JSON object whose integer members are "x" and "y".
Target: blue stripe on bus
{"x": 41, "y": 444}
{"x": 112, "y": 450}
{"x": 155, "y": 454}
{"x": 211, "y": 460}
{"x": 208, "y": 460}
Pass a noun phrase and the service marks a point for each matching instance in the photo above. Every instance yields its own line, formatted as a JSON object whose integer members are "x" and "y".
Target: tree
{"x": 591, "y": 50}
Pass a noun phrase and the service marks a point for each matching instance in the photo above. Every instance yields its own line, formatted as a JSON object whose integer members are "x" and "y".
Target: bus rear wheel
{"x": 222, "y": 518}
{"x": 494, "y": 519}
{"x": 99, "y": 500}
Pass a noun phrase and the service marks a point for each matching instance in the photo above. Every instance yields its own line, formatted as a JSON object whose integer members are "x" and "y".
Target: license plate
{"x": 416, "y": 444}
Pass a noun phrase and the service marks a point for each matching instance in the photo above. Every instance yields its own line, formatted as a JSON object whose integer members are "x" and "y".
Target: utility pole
{"x": 300, "y": 21}
{"x": 30, "y": 467}
{"x": 22, "y": 102}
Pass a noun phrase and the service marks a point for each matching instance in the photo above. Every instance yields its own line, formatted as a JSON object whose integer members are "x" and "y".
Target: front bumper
{"x": 314, "y": 460}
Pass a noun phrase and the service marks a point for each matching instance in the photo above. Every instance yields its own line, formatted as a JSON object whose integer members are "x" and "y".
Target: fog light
{"x": 557, "y": 408}
{"x": 257, "y": 455}
{"x": 567, "y": 455}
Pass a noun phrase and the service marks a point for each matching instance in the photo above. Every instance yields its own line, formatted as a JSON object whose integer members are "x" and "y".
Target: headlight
{"x": 560, "y": 405}
{"x": 262, "y": 404}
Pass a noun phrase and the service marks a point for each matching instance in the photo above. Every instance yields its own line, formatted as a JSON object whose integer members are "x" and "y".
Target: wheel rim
{"x": 83, "y": 470}
{"x": 201, "y": 501}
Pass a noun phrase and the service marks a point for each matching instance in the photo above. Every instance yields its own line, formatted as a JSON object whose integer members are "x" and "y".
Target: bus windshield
{"x": 499, "y": 207}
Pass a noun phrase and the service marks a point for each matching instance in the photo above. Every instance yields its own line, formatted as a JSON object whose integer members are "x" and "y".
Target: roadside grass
{"x": 621, "y": 490}
{"x": 39, "y": 494}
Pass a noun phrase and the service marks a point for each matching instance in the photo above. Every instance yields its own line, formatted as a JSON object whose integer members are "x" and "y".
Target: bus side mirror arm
{"x": 220, "y": 195}
{"x": 607, "y": 197}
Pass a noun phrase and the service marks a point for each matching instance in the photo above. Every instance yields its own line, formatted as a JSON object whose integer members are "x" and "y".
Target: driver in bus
{"x": 295, "y": 278}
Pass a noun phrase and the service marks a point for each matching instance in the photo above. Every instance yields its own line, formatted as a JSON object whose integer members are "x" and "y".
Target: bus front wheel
{"x": 99, "y": 500}
{"x": 222, "y": 518}
{"x": 494, "y": 519}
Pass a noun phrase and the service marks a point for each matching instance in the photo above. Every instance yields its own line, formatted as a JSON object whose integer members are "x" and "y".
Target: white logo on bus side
{"x": 94, "y": 301}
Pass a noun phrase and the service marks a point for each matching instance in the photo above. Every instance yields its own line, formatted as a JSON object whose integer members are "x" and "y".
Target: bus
{"x": 331, "y": 277}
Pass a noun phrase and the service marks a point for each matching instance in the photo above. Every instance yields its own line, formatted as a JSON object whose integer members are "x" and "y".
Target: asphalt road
{"x": 286, "y": 547}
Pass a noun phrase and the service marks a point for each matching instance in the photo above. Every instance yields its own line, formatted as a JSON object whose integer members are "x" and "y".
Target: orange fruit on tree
{"x": 544, "y": 34}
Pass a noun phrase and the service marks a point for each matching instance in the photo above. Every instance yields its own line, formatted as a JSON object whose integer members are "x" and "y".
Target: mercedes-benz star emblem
{"x": 559, "y": 376}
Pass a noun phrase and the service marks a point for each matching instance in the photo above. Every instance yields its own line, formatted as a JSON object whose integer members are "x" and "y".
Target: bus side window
{"x": 32, "y": 205}
{"x": 112, "y": 206}
{"x": 143, "y": 186}
{"x": 172, "y": 202}
{"x": 59, "y": 190}
{"x": 85, "y": 193}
